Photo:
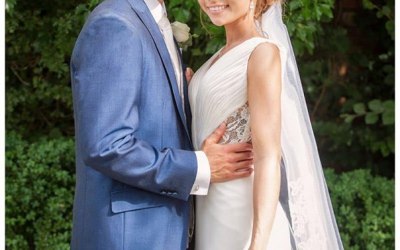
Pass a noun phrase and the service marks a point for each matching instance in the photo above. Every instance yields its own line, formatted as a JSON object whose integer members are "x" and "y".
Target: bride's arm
{"x": 264, "y": 91}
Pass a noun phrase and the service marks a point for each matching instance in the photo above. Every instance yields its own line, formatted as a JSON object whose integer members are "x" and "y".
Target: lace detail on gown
{"x": 238, "y": 126}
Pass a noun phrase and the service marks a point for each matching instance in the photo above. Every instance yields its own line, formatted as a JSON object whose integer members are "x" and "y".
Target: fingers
{"x": 189, "y": 74}
{"x": 238, "y": 166}
{"x": 231, "y": 173}
{"x": 242, "y": 174}
{"x": 216, "y": 136}
{"x": 238, "y": 147}
{"x": 242, "y": 156}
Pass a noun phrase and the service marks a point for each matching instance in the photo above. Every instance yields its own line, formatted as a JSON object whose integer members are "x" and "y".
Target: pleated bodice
{"x": 217, "y": 93}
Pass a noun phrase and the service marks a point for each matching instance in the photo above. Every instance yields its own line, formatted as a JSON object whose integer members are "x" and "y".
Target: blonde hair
{"x": 262, "y": 6}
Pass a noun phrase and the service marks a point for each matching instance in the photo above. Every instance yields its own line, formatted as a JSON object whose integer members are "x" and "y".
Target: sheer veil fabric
{"x": 313, "y": 220}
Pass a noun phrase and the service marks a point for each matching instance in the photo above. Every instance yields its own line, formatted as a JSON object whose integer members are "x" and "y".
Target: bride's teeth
{"x": 217, "y": 8}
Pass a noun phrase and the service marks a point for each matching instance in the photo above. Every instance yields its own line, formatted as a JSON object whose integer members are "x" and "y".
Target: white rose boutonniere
{"x": 182, "y": 34}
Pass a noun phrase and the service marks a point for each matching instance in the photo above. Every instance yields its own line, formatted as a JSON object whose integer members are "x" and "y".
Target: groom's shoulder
{"x": 112, "y": 9}
{"x": 111, "y": 18}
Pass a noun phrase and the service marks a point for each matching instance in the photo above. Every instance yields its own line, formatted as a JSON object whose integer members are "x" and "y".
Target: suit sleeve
{"x": 107, "y": 73}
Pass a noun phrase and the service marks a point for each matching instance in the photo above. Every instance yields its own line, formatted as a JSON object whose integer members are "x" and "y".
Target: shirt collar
{"x": 156, "y": 8}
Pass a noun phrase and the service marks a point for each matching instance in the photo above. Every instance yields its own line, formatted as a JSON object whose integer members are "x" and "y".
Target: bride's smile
{"x": 225, "y": 12}
{"x": 217, "y": 8}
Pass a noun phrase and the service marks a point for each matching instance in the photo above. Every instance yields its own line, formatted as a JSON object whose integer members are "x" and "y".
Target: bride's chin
{"x": 218, "y": 23}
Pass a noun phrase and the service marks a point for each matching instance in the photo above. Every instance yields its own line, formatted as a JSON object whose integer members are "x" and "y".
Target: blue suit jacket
{"x": 134, "y": 164}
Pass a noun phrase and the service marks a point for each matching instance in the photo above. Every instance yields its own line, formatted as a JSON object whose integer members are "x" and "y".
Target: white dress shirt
{"x": 158, "y": 11}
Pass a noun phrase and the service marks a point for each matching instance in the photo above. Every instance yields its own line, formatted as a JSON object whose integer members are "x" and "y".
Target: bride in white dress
{"x": 285, "y": 204}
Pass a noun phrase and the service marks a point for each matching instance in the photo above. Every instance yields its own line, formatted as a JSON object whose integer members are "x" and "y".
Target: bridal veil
{"x": 313, "y": 220}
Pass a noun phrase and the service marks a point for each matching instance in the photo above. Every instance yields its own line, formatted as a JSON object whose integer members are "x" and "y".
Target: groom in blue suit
{"x": 135, "y": 165}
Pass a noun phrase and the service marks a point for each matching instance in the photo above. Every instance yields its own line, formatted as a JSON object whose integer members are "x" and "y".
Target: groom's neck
{"x": 161, "y": 1}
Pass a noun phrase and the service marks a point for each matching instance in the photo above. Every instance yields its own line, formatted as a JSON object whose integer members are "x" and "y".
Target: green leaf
{"x": 368, "y": 4}
{"x": 371, "y": 118}
{"x": 390, "y": 28}
{"x": 375, "y": 105}
{"x": 196, "y": 52}
{"x": 348, "y": 118}
{"x": 359, "y": 108}
{"x": 388, "y": 118}
{"x": 390, "y": 143}
{"x": 388, "y": 105}
{"x": 386, "y": 11}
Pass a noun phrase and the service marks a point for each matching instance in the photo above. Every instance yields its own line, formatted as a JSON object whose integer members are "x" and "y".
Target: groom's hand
{"x": 229, "y": 161}
{"x": 189, "y": 74}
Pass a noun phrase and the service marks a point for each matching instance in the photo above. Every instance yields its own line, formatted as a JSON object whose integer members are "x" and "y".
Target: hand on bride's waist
{"x": 228, "y": 161}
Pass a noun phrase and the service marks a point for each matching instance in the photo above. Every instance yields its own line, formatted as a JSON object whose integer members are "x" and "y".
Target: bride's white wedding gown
{"x": 217, "y": 93}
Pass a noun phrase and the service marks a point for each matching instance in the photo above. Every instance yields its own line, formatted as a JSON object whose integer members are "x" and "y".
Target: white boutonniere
{"x": 182, "y": 34}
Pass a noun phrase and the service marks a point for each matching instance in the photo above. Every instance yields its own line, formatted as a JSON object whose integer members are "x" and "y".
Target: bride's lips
{"x": 217, "y": 8}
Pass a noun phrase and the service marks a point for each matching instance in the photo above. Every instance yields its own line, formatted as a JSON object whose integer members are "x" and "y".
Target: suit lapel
{"x": 147, "y": 19}
{"x": 187, "y": 106}
{"x": 188, "y": 111}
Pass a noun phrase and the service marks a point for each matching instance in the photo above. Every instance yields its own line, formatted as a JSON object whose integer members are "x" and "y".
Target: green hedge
{"x": 39, "y": 196}
{"x": 39, "y": 193}
{"x": 364, "y": 208}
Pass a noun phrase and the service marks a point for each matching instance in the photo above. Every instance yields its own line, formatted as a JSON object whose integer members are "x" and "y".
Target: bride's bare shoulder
{"x": 264, "y": 53}
{"x": 264, "y": 60}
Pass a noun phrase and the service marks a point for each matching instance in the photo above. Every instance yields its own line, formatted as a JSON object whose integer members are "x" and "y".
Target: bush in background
{"x": 363, "y": 206}
{"x": 39, "y": 193}
{"x": 349, "y": 85}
